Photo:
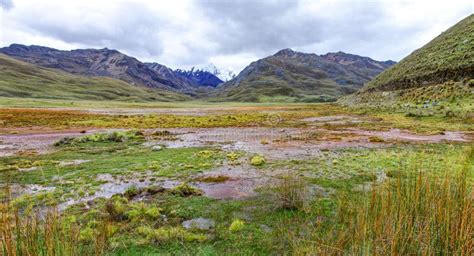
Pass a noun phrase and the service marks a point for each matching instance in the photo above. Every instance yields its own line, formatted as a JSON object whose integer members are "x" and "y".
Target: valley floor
{"x": 243, "y": 179}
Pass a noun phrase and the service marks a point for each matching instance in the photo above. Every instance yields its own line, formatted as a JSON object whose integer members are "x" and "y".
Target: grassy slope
{"x": 442, "y": 71}
{"x": 20, "y": 79}
{"x": 448, "y": 56}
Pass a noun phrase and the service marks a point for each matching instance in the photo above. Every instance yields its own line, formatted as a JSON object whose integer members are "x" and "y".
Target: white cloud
{"x": 230, "y": 34}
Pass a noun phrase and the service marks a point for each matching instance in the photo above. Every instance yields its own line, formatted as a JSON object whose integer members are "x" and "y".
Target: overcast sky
{"x": 229, "y": 33}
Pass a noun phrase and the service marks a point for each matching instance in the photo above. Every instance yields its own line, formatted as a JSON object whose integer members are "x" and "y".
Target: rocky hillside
{"x": 442, "y": 69}
{"x": 22, "y": 79}
{"x": 291, "y": 75}
{"x": 358, "y": 63}
{"x": 302, "y": 77}
{"x": 101, "y": 62}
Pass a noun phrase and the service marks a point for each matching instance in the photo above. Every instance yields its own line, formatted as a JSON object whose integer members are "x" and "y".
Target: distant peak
{"x": 338, "y": 53}
{"x": 28, "y": 48}
{"x": 284, "y": 52}
{"x": 17, "y": 45}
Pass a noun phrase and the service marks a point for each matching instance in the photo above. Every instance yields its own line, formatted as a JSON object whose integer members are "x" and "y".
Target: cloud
{"x": 6, "y": 4}
{"x": 230, "y": 34}
{"x": 122, "y": 26}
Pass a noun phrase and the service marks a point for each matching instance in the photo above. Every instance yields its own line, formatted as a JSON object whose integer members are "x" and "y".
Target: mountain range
{"x": 26, "y": 80}
{"x": 286, "y": 74}
{"x": 108, "y": 63}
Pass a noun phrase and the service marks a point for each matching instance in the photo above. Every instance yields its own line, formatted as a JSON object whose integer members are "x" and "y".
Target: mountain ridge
{"x": 23, "y": 79}
{"x": 100, "y": 62}
{"x": 299, "y": 75}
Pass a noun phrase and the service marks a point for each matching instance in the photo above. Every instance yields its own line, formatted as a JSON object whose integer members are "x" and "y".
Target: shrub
{"x": 185, "y": 190}
{"x": 115, "y": 136}
{"x": 116, "y": 207}
{"x": 131, "y": 192}
{"x": 236, "y": 225}
{"x": 257, "y": 160}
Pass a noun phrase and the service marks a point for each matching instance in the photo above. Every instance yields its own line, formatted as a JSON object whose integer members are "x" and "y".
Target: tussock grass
{"x": 421, "y": 214}
{"x": 292, "y": 193}
{"x": 47, "y": 233}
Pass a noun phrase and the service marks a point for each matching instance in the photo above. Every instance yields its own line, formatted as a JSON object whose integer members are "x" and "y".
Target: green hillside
{"x": 441, "y": 70}
{"x": 448, "y": 56}
{"x": 21, "y": 79}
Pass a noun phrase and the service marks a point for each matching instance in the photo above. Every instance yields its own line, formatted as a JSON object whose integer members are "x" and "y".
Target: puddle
{"x": 273, "y": 143}
{"x": 242, "y": 182}
{"x": 18, "y": 190}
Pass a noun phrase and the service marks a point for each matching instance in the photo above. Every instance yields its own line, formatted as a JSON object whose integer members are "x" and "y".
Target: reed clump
{"x": 421, "y": 214}
{"x": 46, "y": 232}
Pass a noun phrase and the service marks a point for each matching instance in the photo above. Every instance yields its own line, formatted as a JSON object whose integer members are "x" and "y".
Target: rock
{"x": 73, "y": 162}
{"x": 201, "y": 224}
{"x": 28, "y": 169}
{"x": 265, "y": 228}
{"x": 156, "y": 148}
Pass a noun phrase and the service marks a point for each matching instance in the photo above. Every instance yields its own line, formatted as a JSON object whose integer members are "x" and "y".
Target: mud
{"x": 37, "y": 142}
{"x": 274, "y": 143}
{"x": 295, "y": 143}
{"x": 243, "y": 180}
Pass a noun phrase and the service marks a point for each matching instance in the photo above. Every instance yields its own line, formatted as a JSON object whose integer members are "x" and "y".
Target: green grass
{"x": 129, "y": 160}
{"x": 268, "y": 227}
{"x": 25, "y": 102}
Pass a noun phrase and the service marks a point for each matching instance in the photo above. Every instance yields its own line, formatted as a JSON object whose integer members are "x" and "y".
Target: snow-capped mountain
{"x": 199, "y": 76}
{"x": 223, "y": 74}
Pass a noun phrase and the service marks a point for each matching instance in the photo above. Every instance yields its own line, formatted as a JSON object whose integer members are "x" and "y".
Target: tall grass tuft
{"x": 421, "y": 214}
{"x": 44, "y": 233}
{"x": 292, "y": 193}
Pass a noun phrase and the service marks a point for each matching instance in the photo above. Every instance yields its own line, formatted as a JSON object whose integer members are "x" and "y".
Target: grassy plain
{"x": 114, "y": 193}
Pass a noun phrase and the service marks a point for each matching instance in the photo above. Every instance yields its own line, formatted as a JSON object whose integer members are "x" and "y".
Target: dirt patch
{"x": 273, "y": 143}
{"x": 39, "y": 142}
{"x": 400, "y": 135}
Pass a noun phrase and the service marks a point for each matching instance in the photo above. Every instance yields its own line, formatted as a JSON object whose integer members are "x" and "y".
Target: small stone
{"x": 156, "y": 148}
{"x": 201, "y": 224}
{"x": 28, "y": 169}
{"x": 266, "y": 228}
{"x": 73, "y": 162}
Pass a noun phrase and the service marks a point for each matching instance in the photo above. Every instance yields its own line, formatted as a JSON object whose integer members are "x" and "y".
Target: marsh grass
{"x": 292, "y": 193}
{"x": 422, "y": 214}
{"x": 46, "y": 233}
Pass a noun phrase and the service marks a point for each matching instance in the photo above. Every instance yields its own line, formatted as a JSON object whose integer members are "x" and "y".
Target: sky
{"x": 229, "y": 33}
